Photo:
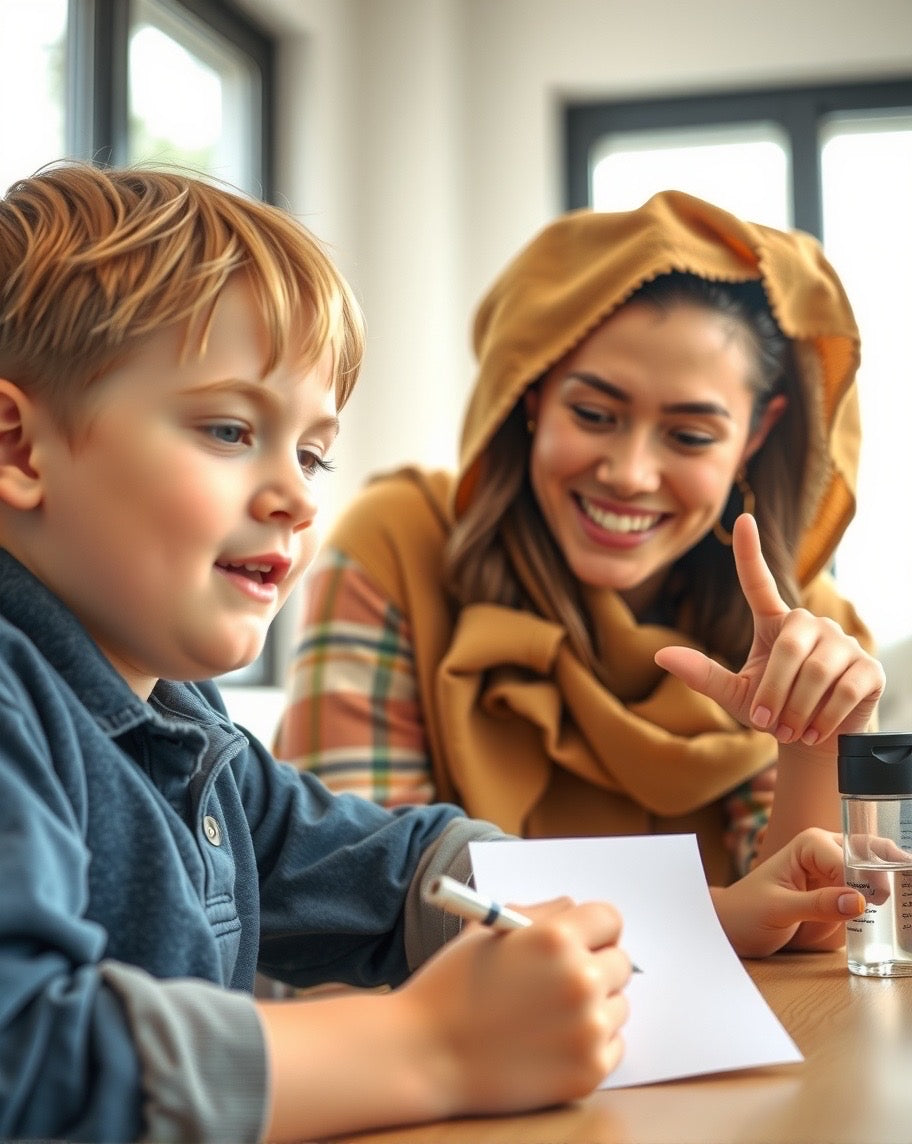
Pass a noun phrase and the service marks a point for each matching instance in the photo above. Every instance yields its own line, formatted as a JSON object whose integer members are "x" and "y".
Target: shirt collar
{"x": 29, "y": 605}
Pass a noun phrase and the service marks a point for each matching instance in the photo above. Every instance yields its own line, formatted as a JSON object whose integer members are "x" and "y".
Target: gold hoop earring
{"x": 748, "y": 504}
{"x": 531, "y": 425}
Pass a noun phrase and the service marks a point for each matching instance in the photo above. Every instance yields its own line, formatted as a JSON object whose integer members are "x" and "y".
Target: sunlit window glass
{"x": 32, "y": 85}
{"x": 194, "y": 100}
{"x": 867, "y": 229}
{"x": 744, "y": 169}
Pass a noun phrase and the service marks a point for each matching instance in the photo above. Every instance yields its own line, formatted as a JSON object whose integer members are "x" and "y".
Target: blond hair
{"x": 94, "y": 260}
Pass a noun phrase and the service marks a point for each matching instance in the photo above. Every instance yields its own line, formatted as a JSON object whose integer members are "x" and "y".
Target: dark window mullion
{"x": 97, "y": 70}
{"x": 582, "y": 127}
{"x": 801, "y": 121}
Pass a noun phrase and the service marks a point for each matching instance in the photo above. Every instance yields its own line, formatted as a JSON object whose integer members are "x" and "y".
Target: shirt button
{"x": 213, "y": 832}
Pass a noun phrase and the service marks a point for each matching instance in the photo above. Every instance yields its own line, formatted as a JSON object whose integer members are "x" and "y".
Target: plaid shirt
{"x": 354, "y": 716}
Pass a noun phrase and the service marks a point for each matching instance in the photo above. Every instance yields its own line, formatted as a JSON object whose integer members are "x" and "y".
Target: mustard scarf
{"x": 520, "y": 732}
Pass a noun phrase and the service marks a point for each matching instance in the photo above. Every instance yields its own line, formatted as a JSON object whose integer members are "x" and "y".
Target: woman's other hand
{"x": 797, "y": 898}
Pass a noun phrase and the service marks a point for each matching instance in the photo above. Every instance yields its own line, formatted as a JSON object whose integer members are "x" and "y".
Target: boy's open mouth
{"x": 260, "y": 573}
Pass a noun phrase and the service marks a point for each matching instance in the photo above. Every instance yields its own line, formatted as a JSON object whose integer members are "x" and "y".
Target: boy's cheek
{"x": 306, "y": 553}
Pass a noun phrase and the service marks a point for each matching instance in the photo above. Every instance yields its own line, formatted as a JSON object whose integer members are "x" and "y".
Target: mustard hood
{"x": 586, "y": 263}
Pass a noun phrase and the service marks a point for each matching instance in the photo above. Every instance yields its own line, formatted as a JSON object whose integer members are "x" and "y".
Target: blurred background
{"x": 426, "y": 140}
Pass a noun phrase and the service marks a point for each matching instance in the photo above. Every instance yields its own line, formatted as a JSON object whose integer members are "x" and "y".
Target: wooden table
{"x": 853, "y": 1087}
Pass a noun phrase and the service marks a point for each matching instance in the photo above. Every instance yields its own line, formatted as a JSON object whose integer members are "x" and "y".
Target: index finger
{"x": 598, "y": 924}
{"x": 756, "y": 580}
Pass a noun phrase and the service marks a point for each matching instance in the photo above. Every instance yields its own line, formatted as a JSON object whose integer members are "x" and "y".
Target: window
{"x": 208, "y": 115}
{"x": 837, "y": 162}
{"x": 171, "y": 81}
{"x": 866, "y": 166}
{"x": 188, "y": 82}
{"x": 709, "y": 163}
{"x": 33, "y": 81}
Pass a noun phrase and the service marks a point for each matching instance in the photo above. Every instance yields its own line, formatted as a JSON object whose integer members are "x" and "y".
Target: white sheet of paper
{"x": 693, "y": 1009}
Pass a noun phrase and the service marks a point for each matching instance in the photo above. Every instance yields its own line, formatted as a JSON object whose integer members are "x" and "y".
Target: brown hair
{"x": 702, "y": 593}
{"x": 93, "y": 260}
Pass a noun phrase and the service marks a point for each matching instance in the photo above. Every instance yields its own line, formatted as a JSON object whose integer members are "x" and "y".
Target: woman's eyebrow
{"x": 600, "y": 383}
{"x": 705, "y": 408}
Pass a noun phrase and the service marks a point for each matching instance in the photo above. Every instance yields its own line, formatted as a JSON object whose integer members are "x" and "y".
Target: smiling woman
{"x": 493, "y": 637}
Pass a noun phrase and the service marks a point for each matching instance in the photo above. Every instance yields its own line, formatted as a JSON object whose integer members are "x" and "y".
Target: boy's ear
{"x": 20, "y": 483}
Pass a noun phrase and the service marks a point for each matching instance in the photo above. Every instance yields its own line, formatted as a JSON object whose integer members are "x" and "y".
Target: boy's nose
{"x": 288, "y": 496}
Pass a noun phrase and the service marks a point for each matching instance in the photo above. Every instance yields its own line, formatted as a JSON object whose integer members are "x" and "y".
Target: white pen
{"x": 465, "y": 902}
{"x": 455, "y": 898}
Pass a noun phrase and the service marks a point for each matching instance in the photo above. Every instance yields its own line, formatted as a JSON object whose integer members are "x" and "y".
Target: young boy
{"x": 172, "y": 362}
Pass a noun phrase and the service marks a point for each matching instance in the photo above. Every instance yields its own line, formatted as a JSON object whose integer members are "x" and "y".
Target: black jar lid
{"x": 876, "y": 763}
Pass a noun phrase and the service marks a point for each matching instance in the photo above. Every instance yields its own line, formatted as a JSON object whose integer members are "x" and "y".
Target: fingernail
{"x": 784, "y": 734}
{"x": 761, "y": 717}
{"x": 810, "y": 737}
{"x": 849, "y": 905}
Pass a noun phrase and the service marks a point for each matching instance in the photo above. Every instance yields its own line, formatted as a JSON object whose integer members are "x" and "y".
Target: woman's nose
{"x": 629, "y": 464}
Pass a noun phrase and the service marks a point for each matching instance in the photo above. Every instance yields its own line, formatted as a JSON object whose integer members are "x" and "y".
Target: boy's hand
{"x": 494, "y": 1022}
{"x": 796, "y": 898}
{"x": 804, "y": 678}
{"x": 523, "y": 1019}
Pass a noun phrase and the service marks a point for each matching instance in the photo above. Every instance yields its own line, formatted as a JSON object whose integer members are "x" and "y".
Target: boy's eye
{"x": 312, "y": 464}
{"x": 226, "y": 433}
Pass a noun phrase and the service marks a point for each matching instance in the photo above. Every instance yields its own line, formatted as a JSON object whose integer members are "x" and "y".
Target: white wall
{"x": 421, "y": 139}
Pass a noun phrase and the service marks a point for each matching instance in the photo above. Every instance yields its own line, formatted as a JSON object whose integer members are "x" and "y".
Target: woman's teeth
{"x": 616, "y": 522}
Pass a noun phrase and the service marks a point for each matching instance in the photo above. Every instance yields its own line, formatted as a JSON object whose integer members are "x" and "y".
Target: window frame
{"x": 97, "y": 92}
{"x": 797, "y": 110}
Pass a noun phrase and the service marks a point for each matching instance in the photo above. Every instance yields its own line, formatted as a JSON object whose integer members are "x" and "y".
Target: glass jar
{"x": 875, "y": 784}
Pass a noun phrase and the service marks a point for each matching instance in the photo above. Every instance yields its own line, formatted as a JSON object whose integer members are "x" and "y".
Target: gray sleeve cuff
{"x": 427, "y": 928}
{"x": 202, "y": 1054}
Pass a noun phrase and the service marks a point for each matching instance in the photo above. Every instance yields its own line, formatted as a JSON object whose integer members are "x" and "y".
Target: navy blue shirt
{"x": 152, "y": 858}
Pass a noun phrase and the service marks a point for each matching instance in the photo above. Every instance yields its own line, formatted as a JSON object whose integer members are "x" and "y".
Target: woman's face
{"x": 639, "y": 434}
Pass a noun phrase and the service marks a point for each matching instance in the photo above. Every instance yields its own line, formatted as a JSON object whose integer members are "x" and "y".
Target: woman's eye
{"x": 592, "y": 416}
{"x": 693, "y": 439}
